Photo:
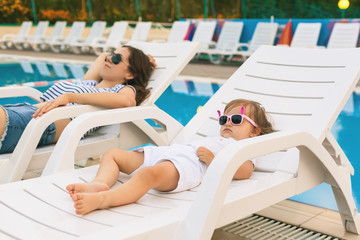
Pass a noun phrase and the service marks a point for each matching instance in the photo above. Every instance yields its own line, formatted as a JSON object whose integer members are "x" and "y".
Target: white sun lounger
{"x": 83, "y": 45}
{"x": 116, "y": 37}
{"x": 44, "y": 42}
{"x": 141, "y": 31}
{"x": 303, "y": 90}
{"x": 264, "y": 34}
{"x": 171, "y": 58}
{"x": 306, "y": 35}
{"x": 61, "y": 43}
{"x": 9, "y": 40}
{"x": 204, "y": 33}
{"x": 227, "y": 44}
{"x": 38, "y": 34}
{"x": 178, "y": 31}
{"x": 344, "y": 35}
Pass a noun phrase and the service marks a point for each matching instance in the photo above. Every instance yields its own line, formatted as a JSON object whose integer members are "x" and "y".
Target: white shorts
{"x": 191, "y": 169}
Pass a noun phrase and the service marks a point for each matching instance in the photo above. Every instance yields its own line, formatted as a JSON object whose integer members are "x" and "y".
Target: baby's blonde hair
{"x": 257, "y": 113}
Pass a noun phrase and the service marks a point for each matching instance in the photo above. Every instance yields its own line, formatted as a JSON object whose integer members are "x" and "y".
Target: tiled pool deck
{"x": 298, "y": 214}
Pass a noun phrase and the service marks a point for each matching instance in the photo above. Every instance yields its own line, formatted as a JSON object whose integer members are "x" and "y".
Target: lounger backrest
{"x": 96, "y": 31}
{"x": 24, "y": 29}
{"x": 306, "y": 92}
{"x": 344, "y": 35}
{"x": 229, "y": 36}
{"x": 306, "y": 35}
{"x": 204, "y": 32}
{"x": 178, "y": 31}
{"x": 118, "y": 31}
{"x": 264, "y": 34}
{"x": 75, "y": 31}
{"x": 41, "y": 29}
{"x": 167, "y": 58}
{"x": 141, "y": 31}
{"x": 58, "y": 29}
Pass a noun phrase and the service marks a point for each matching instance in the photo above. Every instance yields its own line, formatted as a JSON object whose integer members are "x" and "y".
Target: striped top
{"x": 85, "y": 86}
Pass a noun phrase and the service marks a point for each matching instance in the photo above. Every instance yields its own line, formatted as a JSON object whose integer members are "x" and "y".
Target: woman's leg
{"x": 112, "y": 162}
{"x": 163, "y": 177}
{"x": 2, "y": 121}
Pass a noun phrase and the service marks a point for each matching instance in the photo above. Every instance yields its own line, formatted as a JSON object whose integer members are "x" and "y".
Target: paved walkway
{"x": 197, "y": 69}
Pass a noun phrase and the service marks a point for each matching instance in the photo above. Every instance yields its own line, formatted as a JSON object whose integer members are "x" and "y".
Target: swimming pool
{"x": 181, "y": 100}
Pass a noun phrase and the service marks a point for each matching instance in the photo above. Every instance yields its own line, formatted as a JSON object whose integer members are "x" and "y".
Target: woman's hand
{"x": 205, "y": 155}
{"x": 152, "y": 61}
{"x": 62, "y": 100}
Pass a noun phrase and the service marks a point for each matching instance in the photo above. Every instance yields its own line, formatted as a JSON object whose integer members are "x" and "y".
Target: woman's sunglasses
{"x": 235, "y": 119}
{"x": 115, "y": 58}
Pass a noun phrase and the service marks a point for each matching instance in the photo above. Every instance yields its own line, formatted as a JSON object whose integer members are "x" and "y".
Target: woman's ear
{"x": 255, "y": 132}
{"x": 129, "y": 76}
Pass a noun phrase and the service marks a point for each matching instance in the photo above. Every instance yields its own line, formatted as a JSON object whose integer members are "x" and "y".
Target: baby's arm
{"x": 205, "y": 155}
{"x": 243, "y": 172}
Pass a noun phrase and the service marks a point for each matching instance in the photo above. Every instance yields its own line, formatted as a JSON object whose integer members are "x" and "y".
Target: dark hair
{"x": 257, "y": 113}
{"x": 140, "y": 68}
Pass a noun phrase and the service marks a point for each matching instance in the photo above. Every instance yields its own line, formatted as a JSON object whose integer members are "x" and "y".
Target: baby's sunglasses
{"x": 115, "y": 58}
{"x": 235, "y": 119}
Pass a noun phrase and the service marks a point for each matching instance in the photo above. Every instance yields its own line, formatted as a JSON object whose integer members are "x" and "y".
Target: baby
{"x": 174, "y": 168}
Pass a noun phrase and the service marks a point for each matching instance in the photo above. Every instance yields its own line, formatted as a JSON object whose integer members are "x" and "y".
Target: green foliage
{"x": 17, "y": 11}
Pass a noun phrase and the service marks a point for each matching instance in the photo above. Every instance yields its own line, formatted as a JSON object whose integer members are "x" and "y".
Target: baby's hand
{"x": 152, "y": 61}
{"x": 205, "y": 155}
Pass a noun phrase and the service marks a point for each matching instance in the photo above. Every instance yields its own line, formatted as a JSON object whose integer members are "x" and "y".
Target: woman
{"x": 119, "y": 81}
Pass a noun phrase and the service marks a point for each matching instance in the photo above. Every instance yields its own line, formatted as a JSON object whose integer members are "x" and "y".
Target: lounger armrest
{"x": 333, "y": 147}
{"x": 20, "y": 91}
{"x": 99, "y": 40}
{"x": 206, "y": 209}
{"x": 8, "y": 37}
{"x": 62, "y": 157}
{"x": 29, "y": 140}
{"x": 243, "y": 46}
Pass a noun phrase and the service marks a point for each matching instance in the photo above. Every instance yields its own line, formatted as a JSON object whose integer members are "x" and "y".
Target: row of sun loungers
{"x": 227, "y": 48}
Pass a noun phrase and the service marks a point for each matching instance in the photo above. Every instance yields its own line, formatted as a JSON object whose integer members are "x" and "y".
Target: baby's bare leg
{"x": 112, "y": 162}
{"x": 163, "y": 177}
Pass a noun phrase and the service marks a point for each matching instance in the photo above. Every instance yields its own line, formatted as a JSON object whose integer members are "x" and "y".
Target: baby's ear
{"x": 255, "y": 132}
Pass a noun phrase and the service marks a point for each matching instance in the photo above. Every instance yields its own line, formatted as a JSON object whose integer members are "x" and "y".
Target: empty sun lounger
{"x": 227, "y": 43}
{"x": 44, "y": 42}
{"x": 264, "y": 34}
{"x": 306, "y": 35}
{"x": 84, "y": 45}
{"x": 61, "y": 43}
{"x": 344, "y": 35}
{"x": 113, "y": 41}
{"x": 9, "y": 40}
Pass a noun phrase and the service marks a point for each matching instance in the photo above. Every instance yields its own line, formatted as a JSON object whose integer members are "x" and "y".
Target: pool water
{"x": 181, "y": 100}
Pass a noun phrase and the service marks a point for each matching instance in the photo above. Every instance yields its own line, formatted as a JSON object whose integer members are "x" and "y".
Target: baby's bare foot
{"x": 87, "y": 202}
{"x": 86, "y": 187}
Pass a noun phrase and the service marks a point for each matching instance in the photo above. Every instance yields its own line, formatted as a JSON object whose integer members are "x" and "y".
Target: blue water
{"x": 182, "y": 99}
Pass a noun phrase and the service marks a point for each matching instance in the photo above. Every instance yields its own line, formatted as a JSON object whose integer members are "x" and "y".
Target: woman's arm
{"x": 94, "y": 71}
{"x": 124, "y": 98}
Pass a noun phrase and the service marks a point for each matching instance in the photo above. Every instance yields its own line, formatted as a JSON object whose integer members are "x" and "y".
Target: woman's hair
{"x": 256, "y": 113}
{"x": 140, "y": 67}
